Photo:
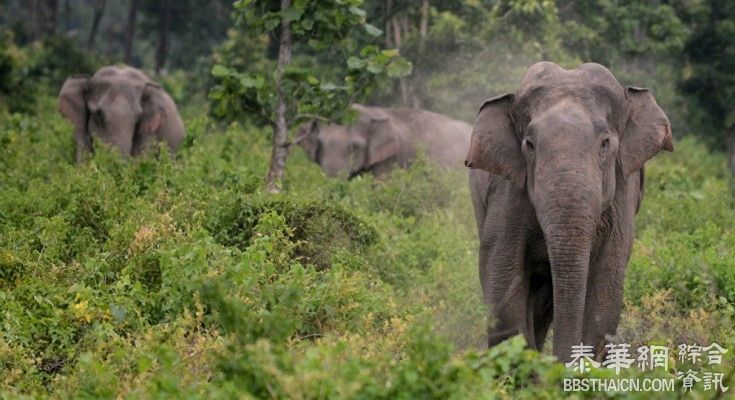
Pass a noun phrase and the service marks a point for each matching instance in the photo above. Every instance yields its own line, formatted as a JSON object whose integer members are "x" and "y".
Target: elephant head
{"x": 350, "y": 150}
{"x": 120, "y": 106}
{"x": 569, "y": 139}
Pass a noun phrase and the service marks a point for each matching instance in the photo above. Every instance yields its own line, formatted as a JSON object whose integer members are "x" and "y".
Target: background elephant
{"x": 123, "y": 108}
{"x": 383, "y": 138}
{"x": 558, "y": 181}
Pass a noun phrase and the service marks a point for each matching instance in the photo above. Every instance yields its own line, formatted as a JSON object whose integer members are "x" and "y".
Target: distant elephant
{"x": 123, "y": 108}
{"x": 556, "y": 180}
{"x": 382, "y": 139}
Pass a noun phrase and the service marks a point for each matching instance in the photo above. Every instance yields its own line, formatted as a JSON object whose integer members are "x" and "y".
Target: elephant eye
{"x": 319, "y": 151}
{"x": 605, "y": 144}
{"x": 99, "y": 116}
{"x": 529, "y": 146}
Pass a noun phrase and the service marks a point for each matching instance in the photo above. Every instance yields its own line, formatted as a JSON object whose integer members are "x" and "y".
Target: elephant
{"x": 556, "y": 179}
{"x": 122, "y": 107}
{"x": 382, "y": 139}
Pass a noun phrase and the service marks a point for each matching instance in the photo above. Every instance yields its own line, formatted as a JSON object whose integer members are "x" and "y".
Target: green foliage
{"x": 711, "y": 52}
{"x": 162, "y": 277}
{"x": 39, "y": 69}
{"x": 15, "y": 90}
{"x": 607, "y": 31}
{"x": 171, "y": 277}
{"x": 55, "y": 58}
{"x": 319, "y": 25}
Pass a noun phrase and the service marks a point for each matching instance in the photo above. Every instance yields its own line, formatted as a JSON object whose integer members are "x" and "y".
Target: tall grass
{"x": 176, "y": 276}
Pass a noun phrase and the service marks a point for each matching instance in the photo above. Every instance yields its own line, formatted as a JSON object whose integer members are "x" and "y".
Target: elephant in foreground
{"x": 382, "y": 139}
{"x": 122, "y": 107}
{"x": 556, "y": 180}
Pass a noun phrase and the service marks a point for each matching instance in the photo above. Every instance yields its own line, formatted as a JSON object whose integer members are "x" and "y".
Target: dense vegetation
{"x": 179, "y": 276}
{"x": 162, "y": 277}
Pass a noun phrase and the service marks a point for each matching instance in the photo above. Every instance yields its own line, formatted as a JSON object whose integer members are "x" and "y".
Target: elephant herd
{"x": 556, "y": 178}
{"x": 125, "y": 109}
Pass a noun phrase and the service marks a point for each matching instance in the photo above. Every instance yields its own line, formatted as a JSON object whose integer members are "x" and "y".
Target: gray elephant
{"x": 382, "y": 139}
{"x": 123, "y": 108}
{"x": 556, "y": 180}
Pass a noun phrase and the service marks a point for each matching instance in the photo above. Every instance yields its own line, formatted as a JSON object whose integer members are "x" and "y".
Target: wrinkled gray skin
{"x": 382, "y": 139}
{"x": 556, "y": 180}
{"x": 123, "y": 108}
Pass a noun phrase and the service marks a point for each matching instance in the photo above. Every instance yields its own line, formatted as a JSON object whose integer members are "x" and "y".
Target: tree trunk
{"x": 99, "y": 9}
{"x": 67, "y": 16}
{"x": 423, "y": 25}
{"x": 130, "y": 31}
{"x": 388, "y": 10}
{"x": 52, "y": 6}
{"x": 396, "y": 32}
{"x": 280, "y": 129}
{"x": 43, "y": 18}
{"x": 164, "y": 24}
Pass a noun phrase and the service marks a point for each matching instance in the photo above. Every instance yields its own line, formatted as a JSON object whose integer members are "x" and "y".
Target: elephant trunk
{"x": 568, "y": 215}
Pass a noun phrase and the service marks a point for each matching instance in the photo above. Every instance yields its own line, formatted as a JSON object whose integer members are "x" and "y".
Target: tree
{"x": 280, "y": 132}
{"x": 98, "y": 6}
{"x": 44, "y": 18}
{"x": 711, "y": 55}
{"x": 130, "y": 30}
{"x": 312, "y": 28}
{"x": 164, "y": 25}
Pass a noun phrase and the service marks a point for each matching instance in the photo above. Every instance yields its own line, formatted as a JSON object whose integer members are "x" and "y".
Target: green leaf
{"x": 368, "y": 50}
{"x": 399, "y": 67}
{"x": 316, "y": 45}
{"x": 355, "y": 63}
{"x": 291, "y": 14}
{"x": 374, "y": 68}
{"x": 220, "y": 71}
{"x": 307, "y": 24}
{"x": 118, "y": 312}
{"x": 372, "y": 30}
{"x": 251, "y": 81}
{"x": 391, "y": 52}
{"x": 357, "y": 11}
{"x": 272, "y": 23}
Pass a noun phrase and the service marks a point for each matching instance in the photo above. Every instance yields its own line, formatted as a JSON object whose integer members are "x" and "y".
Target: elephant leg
{"x": 504, "y": 272}
{"x": 142, "y": 143}
{"x": 510, "y": 309}
{"x": 542, "y": 303}
{"x": 83, "y": 143}
{"x": 506, "y": 290}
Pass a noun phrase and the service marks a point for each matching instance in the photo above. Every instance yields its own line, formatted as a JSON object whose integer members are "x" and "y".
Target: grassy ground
{"x": 179, "y": 277}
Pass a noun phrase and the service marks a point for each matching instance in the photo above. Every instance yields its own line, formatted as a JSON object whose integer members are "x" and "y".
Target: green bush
{"x": 178, "y": 277}
{"x": 15, "y": 91}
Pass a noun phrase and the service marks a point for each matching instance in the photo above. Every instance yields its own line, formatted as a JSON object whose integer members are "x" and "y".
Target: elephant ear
{"x": 494, "y": 146}
{"x": 153, "y": 104}
{"x": 306, "y": 137}
{"x": 382, "y": 135}
{"x": 72, "y": 101}
{"x": 647, "y": 131}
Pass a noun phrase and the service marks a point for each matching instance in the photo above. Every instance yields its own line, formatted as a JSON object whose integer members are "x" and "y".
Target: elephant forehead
{"x": 592, "y": 74}
{"x": 599, "y": 102}
{"x": 110, "y": 89}
{"x": 111, "y": 72}
{"x": 334, "y": 132}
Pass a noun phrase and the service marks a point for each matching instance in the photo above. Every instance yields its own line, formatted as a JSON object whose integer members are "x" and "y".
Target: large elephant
{"x": 556, "y": 180}
{"x": 382, "y": 139}
{"x": 122, "y": 107}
